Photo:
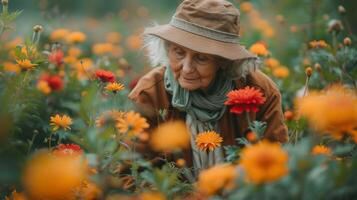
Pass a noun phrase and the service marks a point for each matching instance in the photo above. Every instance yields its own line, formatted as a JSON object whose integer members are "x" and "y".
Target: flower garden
{"x": 69, "y": 131}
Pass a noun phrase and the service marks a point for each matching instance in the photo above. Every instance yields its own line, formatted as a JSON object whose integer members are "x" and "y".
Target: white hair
{"x": 156, "y": 49}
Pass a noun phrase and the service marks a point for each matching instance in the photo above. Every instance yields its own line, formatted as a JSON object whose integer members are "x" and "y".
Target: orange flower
{"x": 246, "y": 6}
{"x": 102, "y": 48}
{"x": 132, "y": 123}
{"x": 83, "y": 68}
{"x": 151, "y": 196}
{"x": 43, "y": 87}
{"x": 74, "y": 51}
{"x": 332, "y": 111}
{"x": 113, "y": 37}
{"x": 108, "y": 116}
{"x": 59, "y": 34}
{"x": 58, "y": 121}
{"x": 216, "y": 178}
{"x": 76, "y": 37}
{"x": 170, "y": 136}
{"x": 318, "y": 44}
{"x": 259, "y": 49}
{"x": 181, "y": 162}
{"x": 321, "y": 150}
{"x": 251, "y": 136}
{"x": 114, "y": 87}
{"x": 247, "y": 99}
{"x": 264, "y": 162}
{"x": 13, "y": 43}
{"x": 11, "y": 67}
{"x": 47, "y": 176}
{"x": 272, "y": 63}
{"x": 281, "y": 72}
{"x": 134, "y": 42}
{"x": 208, "y": 140}
{"x": 26, "y": 64}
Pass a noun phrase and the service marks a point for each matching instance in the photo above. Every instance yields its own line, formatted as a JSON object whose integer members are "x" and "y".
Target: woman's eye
{"x": 202, "y": 58}
{"x": 179, "y": 52}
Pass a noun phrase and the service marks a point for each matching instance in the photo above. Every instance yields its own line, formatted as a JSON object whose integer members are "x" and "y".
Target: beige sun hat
{"x": 207, "y": 26}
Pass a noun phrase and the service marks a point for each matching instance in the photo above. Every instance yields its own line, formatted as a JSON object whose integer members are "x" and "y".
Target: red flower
{"x": 105, "y": 76}
{"x": 56, "y": 57}
{"x": 68, "y": 149}
{"x": 247, "y": 99}
{"x": 55, "y": 82}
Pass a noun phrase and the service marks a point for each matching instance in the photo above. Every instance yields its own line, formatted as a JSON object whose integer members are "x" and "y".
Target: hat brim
{"x": 231, "y": 51}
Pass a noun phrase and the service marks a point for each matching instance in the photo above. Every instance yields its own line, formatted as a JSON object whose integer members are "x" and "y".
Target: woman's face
{"x": 193, "y": 70}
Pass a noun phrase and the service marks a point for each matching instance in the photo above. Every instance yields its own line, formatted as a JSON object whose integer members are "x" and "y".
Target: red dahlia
{"x": 55, "y": 82}
{"x": 105, "y": 76}
{"x": 68, "y": 149}
{"x": 247, "y": 99}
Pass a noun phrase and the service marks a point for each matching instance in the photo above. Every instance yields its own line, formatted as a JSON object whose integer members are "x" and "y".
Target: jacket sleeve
{"x": 272, "y": 114}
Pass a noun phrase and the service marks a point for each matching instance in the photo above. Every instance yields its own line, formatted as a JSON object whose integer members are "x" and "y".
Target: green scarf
{"x": 203, "y": 111}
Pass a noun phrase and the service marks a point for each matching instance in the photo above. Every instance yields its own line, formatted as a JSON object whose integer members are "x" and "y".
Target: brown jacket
{"x": 150, "y": 96}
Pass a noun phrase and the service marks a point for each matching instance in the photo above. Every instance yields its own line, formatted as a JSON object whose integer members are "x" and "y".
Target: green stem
{"x": 306, "y": 86}
{"x": 248, "y": 118}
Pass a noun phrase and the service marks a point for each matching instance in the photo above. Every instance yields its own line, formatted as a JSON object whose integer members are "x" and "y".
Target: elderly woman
{"x": 198, "y": 60}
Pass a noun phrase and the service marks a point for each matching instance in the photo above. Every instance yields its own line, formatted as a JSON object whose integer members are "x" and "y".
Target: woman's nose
{"x": 187, "y": 65}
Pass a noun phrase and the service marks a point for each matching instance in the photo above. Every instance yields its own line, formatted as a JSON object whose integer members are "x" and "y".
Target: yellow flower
{"x": 59, "y": 34}
{"x": 76, "y": 37}
{"x": 259, "y": 49}
{"x": 132, "y": 123}
{"x": 281, "y": 72}
{"x": 170, "y": 136}
{"x": 63, "y": 121}
{"x": 26, "y": 64}
{"x": 114, "y": 87}
{"x": 151, "y": 196}
{"x": 246, "y": 6}
{"x": 102, "y": 48}
{"x": 321, "y": 150}
{"x": 217, "y": 178}
{"x": 48, "y": 176}
{"x": 29, "y": 51}
{"x": 113, "y": 37}
{"x": 272, "y": 63}
{"x": 44, "y": 87}
{"x": 108, "y": 116}
{"x": 332, "y": 111}
{"x": 264, "y": 162}
{"x": 208, "y": 140}
{"x": 11, "y": 67}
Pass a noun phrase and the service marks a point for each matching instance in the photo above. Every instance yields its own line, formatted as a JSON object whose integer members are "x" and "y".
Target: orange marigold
{"x": 264, "y": 162}
{"x": 281, "y": 72}
{"x": 59, "y": 34}
{"x": 321, "y": 150}
{"x": 114, "y": 87}
{"x": 332, "y": 111}
{"x": 76, "y": 37}
{"x": 26, "y": 64}
{"x": 58, "y": 121}
{"x": 259, "y": 49}
{"x": 108, "y": 116}
{"x": 48, "y": 176}
{"x": 132, "y": 123}
{"x": 217, "y": 178}
{"x": 208, "y": 140}
{"x": 247, "y": 99}
{"x": 170, "y": 136}
{"x": 318, "y": 44}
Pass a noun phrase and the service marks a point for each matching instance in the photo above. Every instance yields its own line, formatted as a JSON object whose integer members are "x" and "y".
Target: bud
{"x": 317, "y": 67}
{"x": 5, "y": 2}
{"x": 308, "y": 71}
{"x": 347, "y": 41}
{"x": 180, "y": 162}
{"x": 288, "y": 115}
{"x": 341, "y": 9}
{"x": 335, "y": 25}
{"x": 37, "y": 28}
{"x": 251, "y": 136}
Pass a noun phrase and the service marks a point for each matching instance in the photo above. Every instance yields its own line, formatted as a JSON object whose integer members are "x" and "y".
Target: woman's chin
{"x": 188, "y": 85}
